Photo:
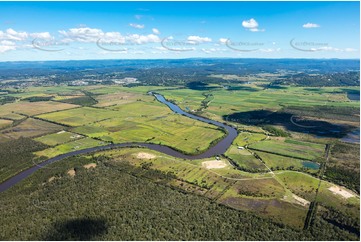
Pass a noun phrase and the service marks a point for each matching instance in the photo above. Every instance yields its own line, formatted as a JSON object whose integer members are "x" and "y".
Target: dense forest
{"x": 16, "y": 155}
{"x": 116, "y": 201}
{"x": 344, "y": 167}
{"x": 325, "y": 80}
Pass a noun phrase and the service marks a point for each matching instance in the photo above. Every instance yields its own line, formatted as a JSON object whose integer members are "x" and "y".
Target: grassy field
{"x": 140, "y": 121}
{"x": 291, "y": 148}
{"x": 13, "y": 116}
{"x": 279, "y": 162}
{"x": 245, "y": 160}
{"x": 30, "y": 128}
{"x": 5, "y": 123}
{"x": 117, "y": 98}
{"x": 58, "y": 138}
{"x": 69, "y": 147}
{"x": 338, "y": 198}
{"x": 33, "y": 108}
{"x": 79, "y": 116}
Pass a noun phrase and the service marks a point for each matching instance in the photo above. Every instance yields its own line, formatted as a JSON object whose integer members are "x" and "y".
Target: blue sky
{"x": 139, "y": 30}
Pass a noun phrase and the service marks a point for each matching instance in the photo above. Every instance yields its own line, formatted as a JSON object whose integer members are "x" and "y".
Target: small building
{"x": 240, "y": 148}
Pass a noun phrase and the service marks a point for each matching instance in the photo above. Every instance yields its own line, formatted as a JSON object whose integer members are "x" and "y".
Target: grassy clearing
{"x": 245, "y": 160}
{"x": 117, "y": 99}
{"x": 69, "y": 147}
{"x": 58, "y": 138}
{"x": 79, "y": 116}
{"x": 242, "y": 157}
{"x": 5, "y": 123}
{"x": 291, "y": 148}
{"x": 305, "y": 186}
{"x": 278, "y": 162}
{"x": 13, "y": 116}
{"x": 33, "y": 108}
{"x": 30, "y": 128}
{"x": 246, "y": 138}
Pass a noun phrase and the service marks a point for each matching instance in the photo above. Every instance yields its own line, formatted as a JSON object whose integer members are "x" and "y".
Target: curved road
{"x": 217, "y": 149}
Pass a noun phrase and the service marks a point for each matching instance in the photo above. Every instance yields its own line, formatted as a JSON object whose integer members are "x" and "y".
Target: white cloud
{"x": 84, "y": 35}
{"x": 155, "y": 31}
{"x": 251, "y": 25}
{"x": 223, "y": 40}
{"x": 350, "y": 50}
{"x": 6, "y": 45}
{"x": 137, "y": 26}
{"x": 13, "y": 35}
{"x": 311, "y": 25}
{"x": 197, "y": 39}
{"x": 43, "y": 35}
{"x": 142, "y": 39}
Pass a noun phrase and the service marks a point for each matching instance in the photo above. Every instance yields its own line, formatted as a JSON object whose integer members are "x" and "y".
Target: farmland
{"x": 290, "y": 148}
{"x": 261, "y": 173}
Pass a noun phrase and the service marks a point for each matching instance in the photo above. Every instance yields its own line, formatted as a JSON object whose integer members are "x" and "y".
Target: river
{"x": 217, "y": 149}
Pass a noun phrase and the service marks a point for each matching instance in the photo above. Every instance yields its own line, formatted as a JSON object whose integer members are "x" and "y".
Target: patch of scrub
{"x": 71, "y": 172}
{"x": 214, "y": 164}
{"x": 342, "y": 192}
{"x": 144, "y": 155}
{"x": 90, "y": 165}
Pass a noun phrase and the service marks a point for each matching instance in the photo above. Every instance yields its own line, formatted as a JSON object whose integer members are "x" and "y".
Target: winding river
{"x": 217, "y": 149}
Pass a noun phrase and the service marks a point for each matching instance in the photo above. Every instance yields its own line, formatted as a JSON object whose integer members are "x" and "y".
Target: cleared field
{"x": 305, "y": 186}
{"x": 33, "y": 108}
{"x": 30, "y": 128}
{"x": 244, "y": 159}
{"x": 5, "y": 123}
{"x": 147, "y": 122}
{"x": 117, "y": 99}
{"x": 291, "y": 148}
{"x": 13, "y": 116}
{"x": 278, "y": 162}
{"x": 58, "y": 138}
{"x": 70, "y": 146}
{"x": 79, "y": 116}
{"x": 281, "y": 211}
{"x": 246, "y": 138}
{"x": 246, "y": 98}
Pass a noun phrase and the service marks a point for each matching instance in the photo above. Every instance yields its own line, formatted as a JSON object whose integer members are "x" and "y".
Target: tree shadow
{"x": 77, "y": 229}
{"x": 241, "y": 88}
{"x": 290, "y": 122}
{"x": 199, "y": 86}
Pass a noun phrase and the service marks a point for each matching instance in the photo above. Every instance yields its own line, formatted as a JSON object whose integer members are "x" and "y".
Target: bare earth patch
{"x": 214, "y": 164}
{"x": 91, "y": 165}
{"x": 143, "y": 155}
{"x": 339, "y": 191}
{"x": 300, "y": 200}
{"x": 51, "y": 179}
{"x": 71, "y": 172}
